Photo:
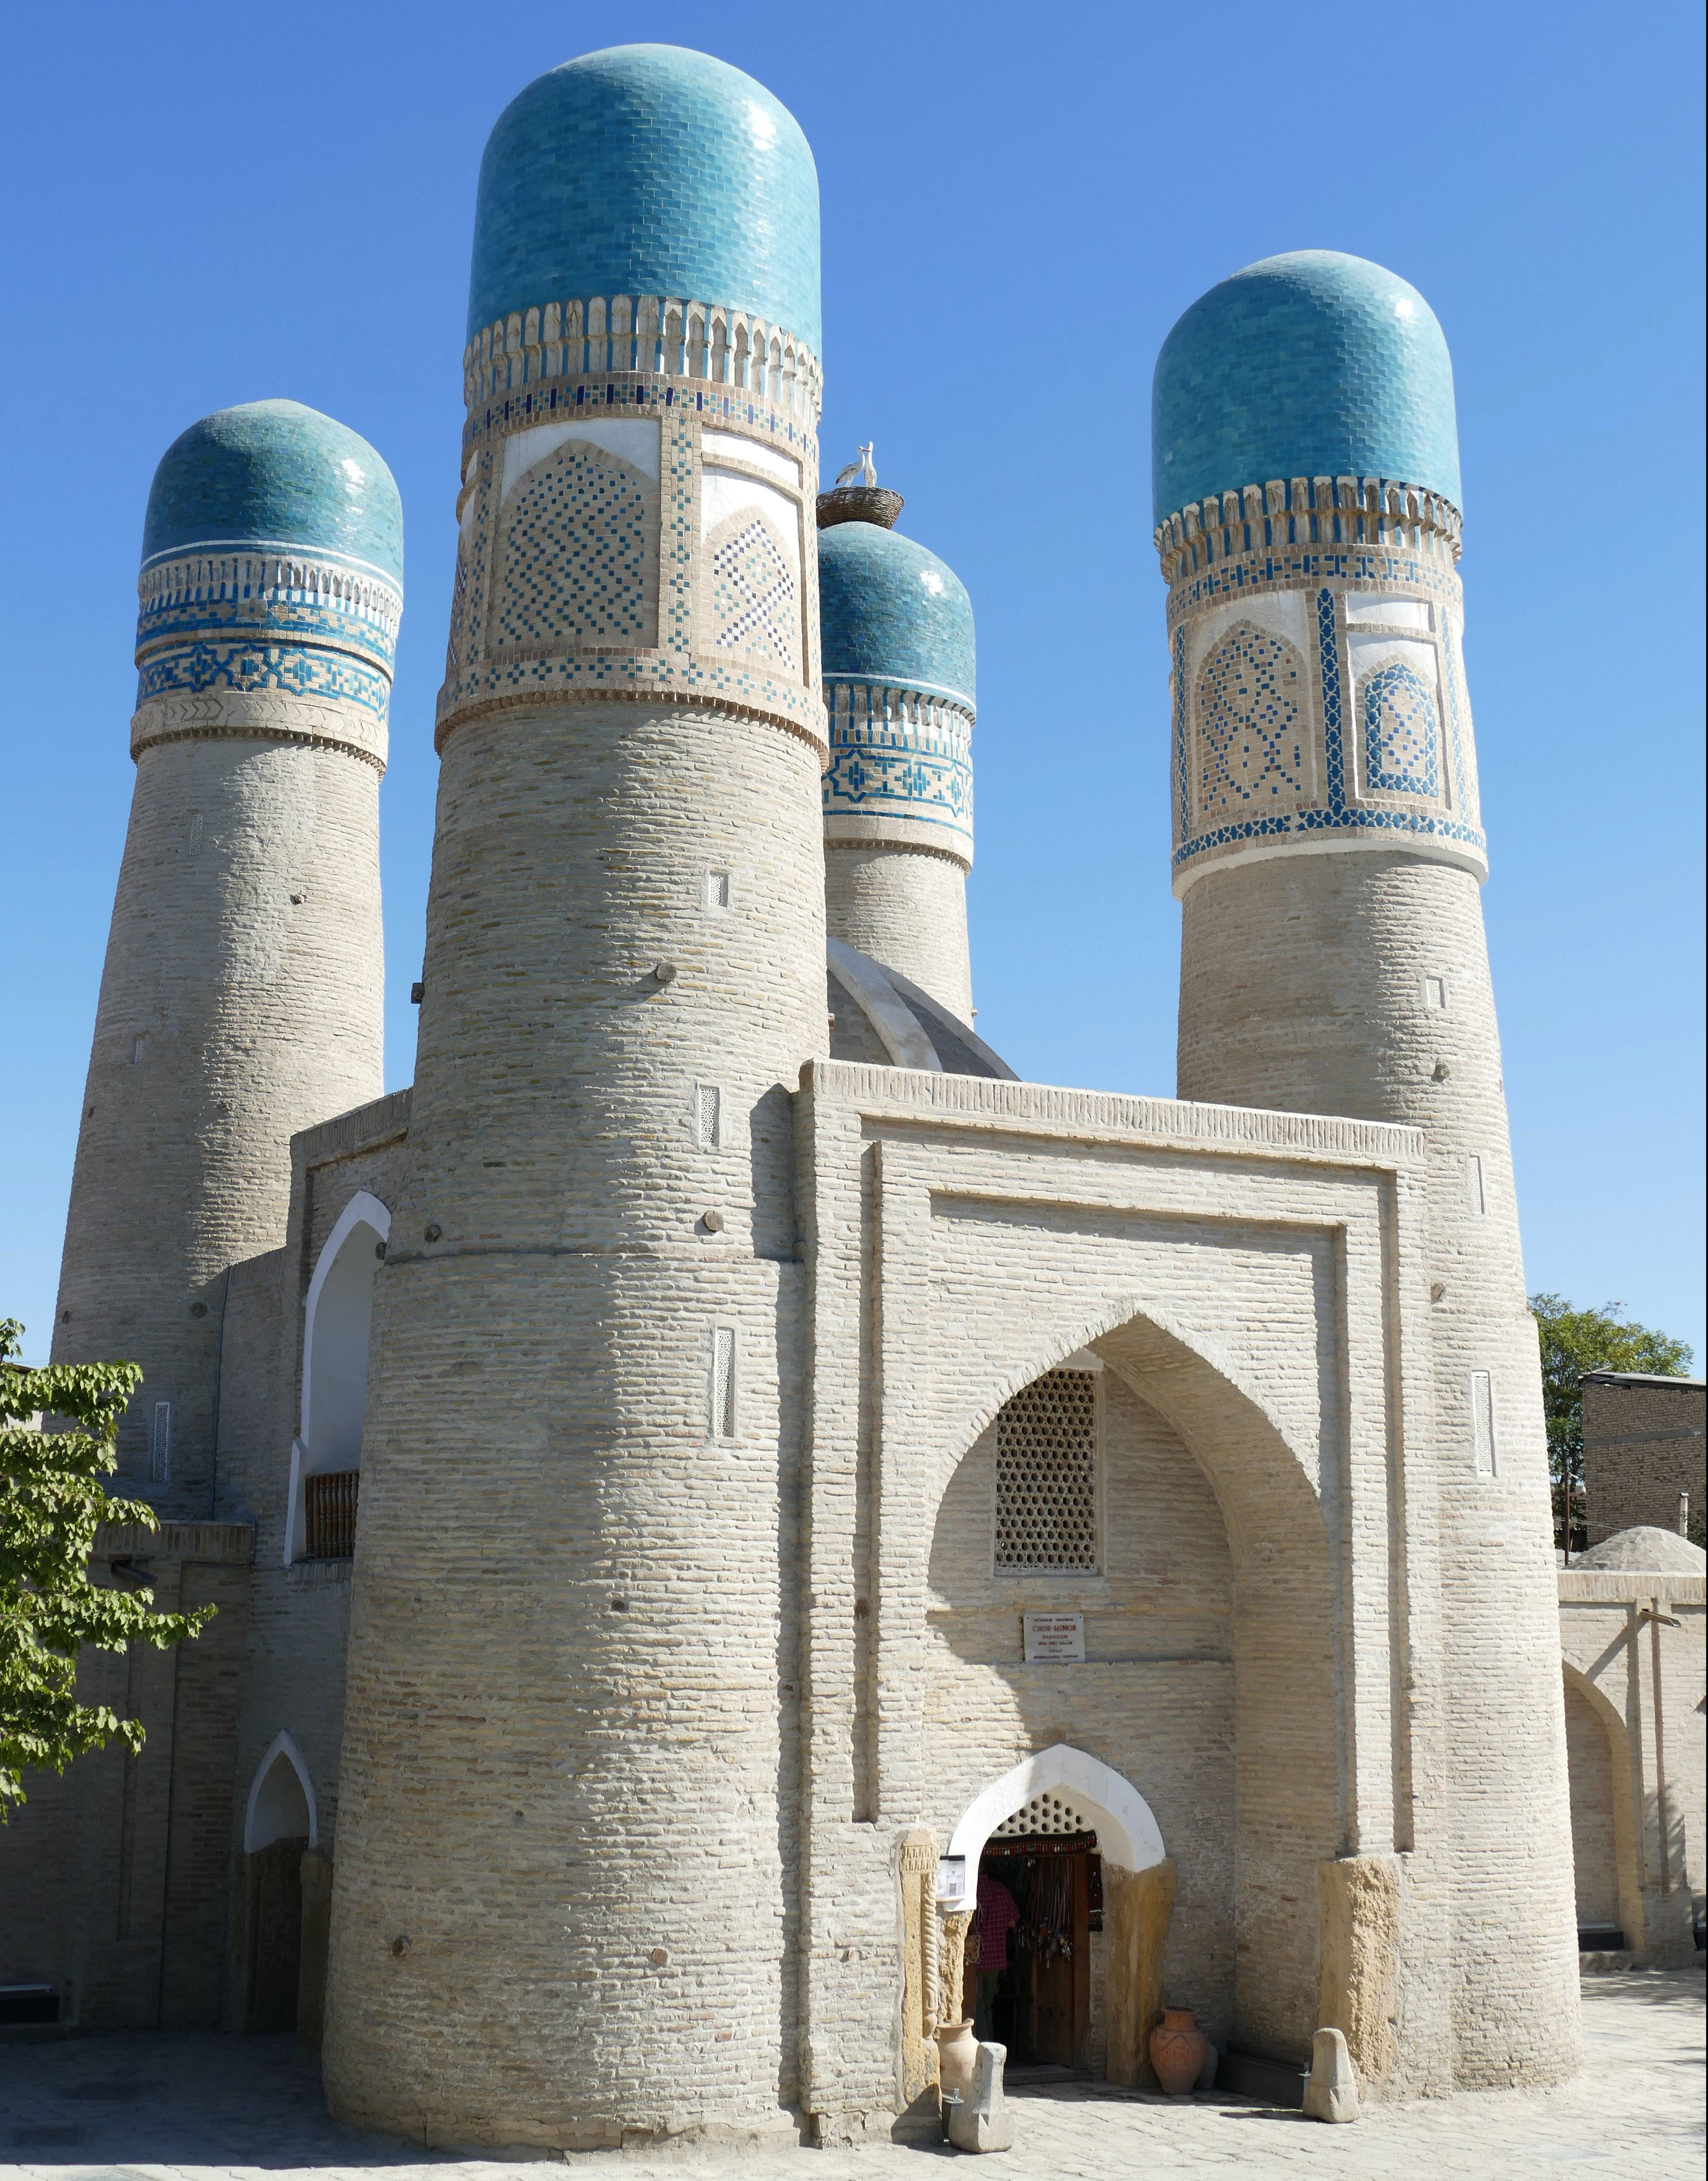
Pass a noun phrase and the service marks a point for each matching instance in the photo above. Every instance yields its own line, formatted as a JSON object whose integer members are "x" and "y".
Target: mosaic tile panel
{"x": 1398, "y": 708}
{"x": 755, "y": 605}
{"x": 1252, "y": 726}
{"x": 579, "y": 557}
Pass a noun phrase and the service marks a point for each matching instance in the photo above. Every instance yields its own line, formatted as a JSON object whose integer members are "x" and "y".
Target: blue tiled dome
{"x": 275, "y": 473}
{"x": 1314, "y": 364}
{"x": 648, "y": 170}
{"x": 891, "y": 612}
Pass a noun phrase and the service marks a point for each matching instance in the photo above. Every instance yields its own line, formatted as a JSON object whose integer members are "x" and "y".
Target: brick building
{"x": 1644, "y": 1452}
{"x": 719, "y": 1468}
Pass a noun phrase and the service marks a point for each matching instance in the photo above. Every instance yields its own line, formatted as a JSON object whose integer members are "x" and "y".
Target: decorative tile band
{"x": 900, "y": 755}
{"x": 1289, "y": 513}
{"x": 649, "y": 335}
{"x": 297, "y": 670}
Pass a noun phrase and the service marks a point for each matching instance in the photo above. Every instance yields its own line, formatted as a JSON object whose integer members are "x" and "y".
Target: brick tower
{"x": 569, "y": 1805}
{"x": 241, "y": 998}
{"x": 1328, "y": 854}
{"x": 899, "y": 679}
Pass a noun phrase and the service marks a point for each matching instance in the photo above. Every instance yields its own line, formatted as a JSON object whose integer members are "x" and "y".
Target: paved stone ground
{"x": 108, "y": 2108}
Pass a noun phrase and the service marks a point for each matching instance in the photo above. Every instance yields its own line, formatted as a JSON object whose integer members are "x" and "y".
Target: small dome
{"x": 891, "y": 612}
{"x": 275, "y": 473}
{"x": 648, "y": 170}
{"x": 1309, "y": 365}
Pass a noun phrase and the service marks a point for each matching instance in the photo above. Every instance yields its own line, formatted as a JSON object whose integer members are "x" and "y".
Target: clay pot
{"x": 1178, "y": 2051}
{"x": 958, "y": 2054}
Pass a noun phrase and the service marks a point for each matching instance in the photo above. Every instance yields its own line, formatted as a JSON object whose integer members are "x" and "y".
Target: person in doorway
{"x": 997, "y": 1917}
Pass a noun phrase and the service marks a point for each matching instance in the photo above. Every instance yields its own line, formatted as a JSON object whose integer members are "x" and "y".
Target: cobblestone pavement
{"x": 108, "y": 2108}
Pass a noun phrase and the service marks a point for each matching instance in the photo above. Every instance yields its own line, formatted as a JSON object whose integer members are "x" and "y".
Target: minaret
{"x": 899, "y": 682}
{"x": 1328, "y": 854}
{"x": 569, "y": 1811}
{"x": 241, "y": 998}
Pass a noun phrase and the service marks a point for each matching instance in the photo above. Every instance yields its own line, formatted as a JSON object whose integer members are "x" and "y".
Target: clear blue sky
{"x": 209, "y": 205}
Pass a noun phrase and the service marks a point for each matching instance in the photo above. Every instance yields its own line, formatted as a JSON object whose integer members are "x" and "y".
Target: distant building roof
{"x": 1642, "y": 1378}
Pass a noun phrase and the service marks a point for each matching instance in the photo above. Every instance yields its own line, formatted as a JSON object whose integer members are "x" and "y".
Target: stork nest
{"x": 858, "y": 503}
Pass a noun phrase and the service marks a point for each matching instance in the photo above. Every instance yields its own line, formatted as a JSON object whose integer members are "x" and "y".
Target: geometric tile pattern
{"x": 754, "y": 597}
{"x": 1046, "y": 1476}
{"x": 579, "y": 546}
{"x": 301, "y": 669}
{"x": 1251, "y": 741}
{"x": 1400, "y": 736}
{"x": 896, "y": 753}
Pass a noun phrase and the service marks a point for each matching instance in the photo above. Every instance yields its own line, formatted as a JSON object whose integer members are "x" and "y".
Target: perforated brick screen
{"x": 1046, "y": 1481}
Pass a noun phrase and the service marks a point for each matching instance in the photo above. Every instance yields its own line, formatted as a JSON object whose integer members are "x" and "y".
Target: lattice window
{"x": 1046, "y": 1476}
{"x": 1045, "y": 1815}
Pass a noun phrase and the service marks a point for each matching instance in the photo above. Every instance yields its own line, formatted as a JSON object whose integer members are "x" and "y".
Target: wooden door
{"x": 1061, "y": 1988}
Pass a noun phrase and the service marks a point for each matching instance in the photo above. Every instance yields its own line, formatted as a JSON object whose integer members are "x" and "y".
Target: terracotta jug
{"x": 1178, "y": 2050}
{"x": 957, "y": 2053}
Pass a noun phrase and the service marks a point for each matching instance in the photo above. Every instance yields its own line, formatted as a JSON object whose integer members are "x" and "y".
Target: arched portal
{"x": 279, "y": 1828}
{"x": 1127, "y": 1608}
{"x": 326, "y": 1457}
{"x": 1606, "y": 1876}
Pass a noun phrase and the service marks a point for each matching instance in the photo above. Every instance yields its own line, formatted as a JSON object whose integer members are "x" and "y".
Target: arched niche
{"x": 1604, "y": 1781}
{"x": 281, "y": 1799}
{"x": 337, "y": 1319}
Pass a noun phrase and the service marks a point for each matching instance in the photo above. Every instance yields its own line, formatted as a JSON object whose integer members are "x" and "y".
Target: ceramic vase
{"x": 957, "y": 2053}
{"x": 1178, "y": 2051}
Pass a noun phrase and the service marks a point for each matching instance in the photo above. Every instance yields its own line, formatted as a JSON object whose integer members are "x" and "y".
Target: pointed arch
{"x": 264, "y": 1815}
{"x": 1127, "y": 1833}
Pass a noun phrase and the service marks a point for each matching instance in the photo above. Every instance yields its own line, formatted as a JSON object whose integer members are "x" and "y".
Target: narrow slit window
{"x": 723, "y": 1382}
{"x": 1483, "y": 1422}
{"x": 1435, "y": 994}
{"x": 718, "y": 889}
{"x": 708, "y": 1116}
{"x": 160, "y": 1445}
{"x": 1474, "y": 1193}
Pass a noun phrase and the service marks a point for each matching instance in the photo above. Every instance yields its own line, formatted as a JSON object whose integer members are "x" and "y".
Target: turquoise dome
{"x": 648, "y": 170}
{"x": 892, "y": 613}
{"x": 1313, "y": 364}
{"x": 275, "y": 473}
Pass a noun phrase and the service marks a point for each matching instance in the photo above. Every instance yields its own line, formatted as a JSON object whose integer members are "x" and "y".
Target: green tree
{"x": 52, "y": 1503}
{"x": 1574, "y": 1341}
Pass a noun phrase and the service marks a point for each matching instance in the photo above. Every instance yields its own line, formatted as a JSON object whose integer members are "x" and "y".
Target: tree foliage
{"x": 1574, "y": 1341}
{"x": 52, "y": 1503}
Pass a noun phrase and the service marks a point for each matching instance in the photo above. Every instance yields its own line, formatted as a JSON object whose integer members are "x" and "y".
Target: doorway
{"x": 1040, "y": 1898}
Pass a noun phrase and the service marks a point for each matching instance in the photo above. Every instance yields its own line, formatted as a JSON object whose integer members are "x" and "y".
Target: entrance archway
{"x": 1066, "y": 1861}
{"x": 279, "y": 1828}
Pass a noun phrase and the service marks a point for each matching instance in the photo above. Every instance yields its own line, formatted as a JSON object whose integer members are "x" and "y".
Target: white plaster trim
{"x": 725, "y": 493}
{"x": 1285, "y": 614}
{"x": 363, "y": 1209}
{"x": 1428, "y": 846}
{"x": 863, "y": 981}
{"x": 1362, "y": 610}
{"x": 731, "y": 447}
{"x": 281, "y": 1746}
{"x": 631, "y": 439}
{"x": 1367, "y": 653}
{"x": 1127, "y": 1833}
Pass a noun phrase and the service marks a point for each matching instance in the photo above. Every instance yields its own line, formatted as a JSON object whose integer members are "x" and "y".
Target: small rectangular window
{"x": 723, "y": 1382}
{"x": 1483, "y": 1456}
{"x": 160, "y": 1445}
{"x": 708, "y": 1116}
{"x": 1435, "y": 994}
{"x": 139, "y": 1046}
{"x": 195, "y": 831}
{"x": 718, "y": 889}
{"x": 1474, "y": 1193}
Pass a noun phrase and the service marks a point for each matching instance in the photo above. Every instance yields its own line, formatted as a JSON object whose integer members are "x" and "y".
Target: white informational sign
{"x": 1055, "y": 1636}
{"x": 952, "y": 1879}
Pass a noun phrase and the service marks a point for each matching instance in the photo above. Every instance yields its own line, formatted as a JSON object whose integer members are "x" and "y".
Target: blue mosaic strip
{"x": 300, "y": 670}
{"x": 1183, "y": 785}
{"x": 1261, "y": 569}
{"x": 261, "y": 620}
{"x": 640, "y": 394}
{"x": 929, "y": 786}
